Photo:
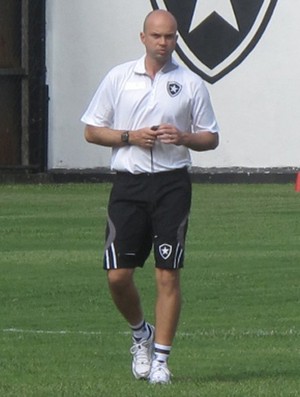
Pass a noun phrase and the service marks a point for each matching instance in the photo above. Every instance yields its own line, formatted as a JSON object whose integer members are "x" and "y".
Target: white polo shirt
{"x": 128, "y": 99}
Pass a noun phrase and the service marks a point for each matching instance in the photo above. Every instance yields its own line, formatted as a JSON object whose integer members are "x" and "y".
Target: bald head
{"x": 160, "y": 17}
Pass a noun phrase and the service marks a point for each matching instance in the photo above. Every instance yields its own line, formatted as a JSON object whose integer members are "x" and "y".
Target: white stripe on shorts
{"x": 111, "y": 258}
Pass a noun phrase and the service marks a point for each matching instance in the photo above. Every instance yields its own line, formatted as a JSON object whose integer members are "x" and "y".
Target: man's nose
{"x": 162, "y": 41}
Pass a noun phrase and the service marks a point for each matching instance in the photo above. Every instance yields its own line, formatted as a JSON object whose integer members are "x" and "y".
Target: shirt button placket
{"x": 152, "y": 101}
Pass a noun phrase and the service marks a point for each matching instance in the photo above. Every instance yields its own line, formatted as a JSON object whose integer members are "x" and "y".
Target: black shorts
{"x": 145, "y": 211}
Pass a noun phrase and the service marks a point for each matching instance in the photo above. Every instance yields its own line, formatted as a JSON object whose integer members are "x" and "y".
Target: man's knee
{"x": 167, "y": 279}
{"x": 119, "y": 278}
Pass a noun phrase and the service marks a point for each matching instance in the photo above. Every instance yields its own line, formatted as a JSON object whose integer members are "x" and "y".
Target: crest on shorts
{"x": 165, "y": 251}
{"x": 215, "y": 36}
{"x": 173, "y": 88}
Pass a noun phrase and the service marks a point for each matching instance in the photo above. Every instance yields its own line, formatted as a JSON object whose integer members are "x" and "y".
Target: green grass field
{"x": 60, "y": 334}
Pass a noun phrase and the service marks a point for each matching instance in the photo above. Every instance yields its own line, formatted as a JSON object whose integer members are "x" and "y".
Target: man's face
{"x": 159, "y": 38}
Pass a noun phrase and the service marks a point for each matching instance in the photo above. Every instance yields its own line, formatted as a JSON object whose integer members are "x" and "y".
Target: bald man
{"x": 151, "y": 112}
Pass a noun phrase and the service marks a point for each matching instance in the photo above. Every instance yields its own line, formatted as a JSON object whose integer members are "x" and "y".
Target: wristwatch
{"x": 125, "y": 137}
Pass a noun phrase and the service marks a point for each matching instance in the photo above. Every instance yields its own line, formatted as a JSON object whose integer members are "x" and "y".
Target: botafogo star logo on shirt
{"x": 173, "y": 88}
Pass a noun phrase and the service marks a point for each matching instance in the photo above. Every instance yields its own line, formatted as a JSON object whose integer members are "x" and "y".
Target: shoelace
{"x": 140, "y": 349}
{"x": 160, "y": 368}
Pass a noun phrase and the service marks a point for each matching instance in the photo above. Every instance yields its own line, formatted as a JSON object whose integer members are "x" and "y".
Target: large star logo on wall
{"x": 215, "y": 36}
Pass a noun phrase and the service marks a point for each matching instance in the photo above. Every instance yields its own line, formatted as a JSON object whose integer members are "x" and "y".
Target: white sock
{"x": 140, "y": 331}
{"x": 161, "y": 352}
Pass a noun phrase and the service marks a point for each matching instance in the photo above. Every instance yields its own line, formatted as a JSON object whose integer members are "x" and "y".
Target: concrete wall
{"x": 257, "y": 104}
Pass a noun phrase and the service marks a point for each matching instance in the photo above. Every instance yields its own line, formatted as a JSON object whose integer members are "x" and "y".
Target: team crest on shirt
{"x": 165, "y": 251}
{"x": 215, "y": 36}
{"x": 174, "y": 88}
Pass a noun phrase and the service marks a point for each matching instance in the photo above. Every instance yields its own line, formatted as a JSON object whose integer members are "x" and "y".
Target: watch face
{"x": 125, "y": 136}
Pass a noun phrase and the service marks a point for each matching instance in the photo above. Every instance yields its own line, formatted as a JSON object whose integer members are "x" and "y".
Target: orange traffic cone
{"x": 297, "y": 185}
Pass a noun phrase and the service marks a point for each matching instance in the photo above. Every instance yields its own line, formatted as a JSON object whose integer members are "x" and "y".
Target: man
{"x": 151, "y": 112}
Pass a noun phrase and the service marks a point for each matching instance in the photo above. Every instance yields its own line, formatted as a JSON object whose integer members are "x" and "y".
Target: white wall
{"x": 257, "y": 104}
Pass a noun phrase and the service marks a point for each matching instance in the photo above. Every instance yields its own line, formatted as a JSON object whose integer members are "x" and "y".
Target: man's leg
{"x": 168, "y": 306}
{"x": 125, "y": 294}
{"x": 127, "y": 300}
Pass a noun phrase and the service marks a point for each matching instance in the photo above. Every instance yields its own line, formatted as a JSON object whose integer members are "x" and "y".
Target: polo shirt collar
{"x": 168, "y": 67}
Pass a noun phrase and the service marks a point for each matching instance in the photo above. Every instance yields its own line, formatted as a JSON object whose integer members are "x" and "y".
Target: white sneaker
{"x": 159, "y": 373}
{"x": 142, "y": 352}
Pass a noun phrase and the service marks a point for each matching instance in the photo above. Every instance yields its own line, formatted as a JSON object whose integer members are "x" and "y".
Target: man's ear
{"x": 142, "y": 37}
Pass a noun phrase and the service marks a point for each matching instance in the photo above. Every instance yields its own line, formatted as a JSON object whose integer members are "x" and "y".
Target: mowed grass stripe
{"x": 260, "y": 333}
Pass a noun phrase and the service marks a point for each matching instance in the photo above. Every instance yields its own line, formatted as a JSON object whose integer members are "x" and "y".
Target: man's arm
{"x": 198, "y": 141}
{"x": 104, "y": 136}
